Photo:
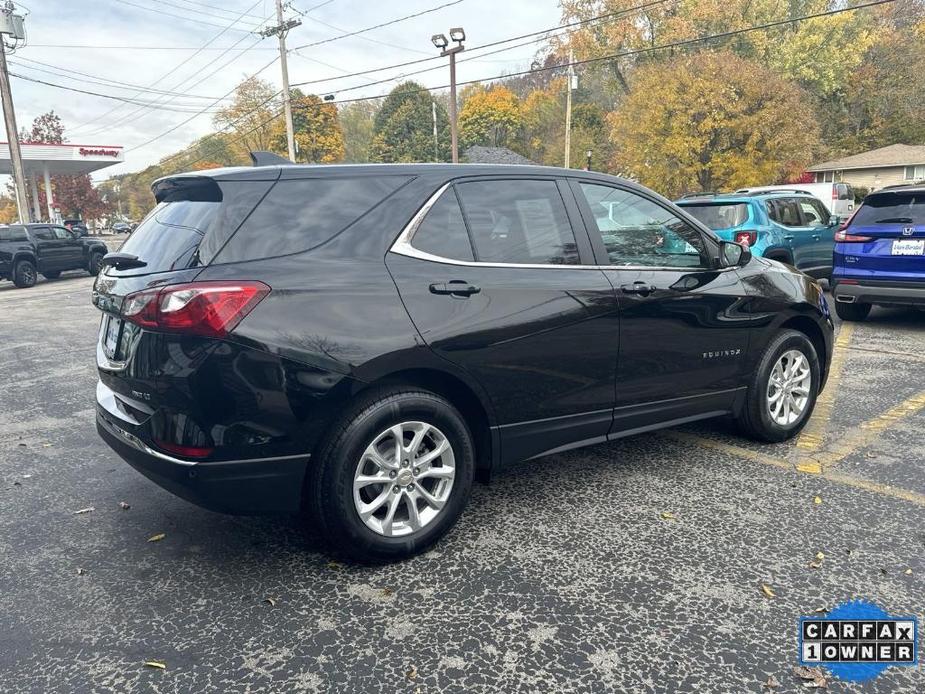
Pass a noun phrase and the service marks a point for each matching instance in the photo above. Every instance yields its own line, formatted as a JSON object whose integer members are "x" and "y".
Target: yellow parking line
{"x": 837, "y": 477}
{"x": 813, "y": 435}
{"x": 871, "y": 430}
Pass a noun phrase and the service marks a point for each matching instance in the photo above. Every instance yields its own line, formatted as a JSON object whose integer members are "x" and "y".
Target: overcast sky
{"x": 105, "y": 25}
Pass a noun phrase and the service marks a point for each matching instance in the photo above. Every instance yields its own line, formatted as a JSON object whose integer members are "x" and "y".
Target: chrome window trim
{"x": 403, "y": 246}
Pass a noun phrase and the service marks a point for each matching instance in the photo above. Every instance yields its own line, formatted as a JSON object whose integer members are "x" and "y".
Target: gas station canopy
{"x": 47, "y": 160}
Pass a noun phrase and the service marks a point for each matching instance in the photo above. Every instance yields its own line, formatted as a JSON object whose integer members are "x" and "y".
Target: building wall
{"x": 873, "y": 179}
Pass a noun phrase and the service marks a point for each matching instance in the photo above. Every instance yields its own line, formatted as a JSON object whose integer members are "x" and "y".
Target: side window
{"x": 60, "y": 233}
{"x": 637, "y": 231}
{"x": 785, "y": 211}
{"x": 518, "y": 221}
{"x": 43, "y": 234}
{"x": 18, "y": 233}
{"x": 443, "y": 230}
{"x": 6, "y": 234}
{"x": 815, "y": 213}
{"x": 300, "y": 214}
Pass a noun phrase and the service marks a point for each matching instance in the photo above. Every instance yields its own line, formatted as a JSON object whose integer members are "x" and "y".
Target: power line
{"x": 244, "y": 19}
{"x": 213, "y": 7}
{"x": 377, "y": 26}
{"x": 185, "y": 18}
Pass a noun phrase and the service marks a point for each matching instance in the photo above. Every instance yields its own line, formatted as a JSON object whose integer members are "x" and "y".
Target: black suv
{"x": 29, "y": 249}
{"x": 361, "y": 342}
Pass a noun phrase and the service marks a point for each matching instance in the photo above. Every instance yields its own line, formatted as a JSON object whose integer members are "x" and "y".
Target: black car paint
{"x": 56, "y": 255}
{"x": 540, "y": 360}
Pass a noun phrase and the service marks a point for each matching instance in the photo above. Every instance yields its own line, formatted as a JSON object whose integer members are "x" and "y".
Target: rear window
{"x": 891, "y": 208}
{"x": 300, "y": 214}
{"x": 168, "y": 237}
{"x": 719, "y": 216}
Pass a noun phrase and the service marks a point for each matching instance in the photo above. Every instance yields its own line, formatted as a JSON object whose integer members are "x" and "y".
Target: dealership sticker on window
{"x": 857, "y": 641}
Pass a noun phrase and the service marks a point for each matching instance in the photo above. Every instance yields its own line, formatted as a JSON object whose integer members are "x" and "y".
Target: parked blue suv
{"x": 786, "y": 225}
{"x": 880, "y": 253}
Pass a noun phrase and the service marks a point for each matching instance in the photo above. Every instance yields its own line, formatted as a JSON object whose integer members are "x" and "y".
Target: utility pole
{"x": 433, "y": 108}
{"x": 12, "y": 25}
{"x": 572, "y": 83}
{"x": 458, "y": 35}
{"x": 280, "y": 30}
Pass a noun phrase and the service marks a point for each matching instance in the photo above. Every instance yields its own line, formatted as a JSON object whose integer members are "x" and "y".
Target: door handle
{"x": 638, "y": 287}
{"x": 788, "y": 238}
{"x": 459, "y": 288}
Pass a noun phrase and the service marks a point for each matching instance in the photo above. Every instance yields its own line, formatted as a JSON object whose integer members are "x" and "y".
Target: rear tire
{"x": 852, "y": 312}
{"x": 96, "y": 263}
{"x": 765, "y": 418}
{"x": 52, "y": 274}
{"x": 24, "y": 275}
{"x": 361, "y": 447}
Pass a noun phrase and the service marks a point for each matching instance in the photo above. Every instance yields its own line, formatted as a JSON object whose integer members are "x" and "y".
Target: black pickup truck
{"x": 49, "y": 249}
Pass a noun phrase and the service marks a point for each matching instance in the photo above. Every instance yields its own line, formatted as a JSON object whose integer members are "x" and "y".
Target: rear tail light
{"x": 746, "y": 238}
{"x": 210, "y": 309}
{"x": 185, "y": 451}
{"x": 842, "y": 235}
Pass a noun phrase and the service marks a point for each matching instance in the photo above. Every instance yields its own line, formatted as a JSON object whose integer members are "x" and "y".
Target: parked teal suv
{"x": 786, "y": 225}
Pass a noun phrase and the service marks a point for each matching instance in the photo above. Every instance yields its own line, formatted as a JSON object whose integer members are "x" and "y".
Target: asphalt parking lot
{"x": 634, "y": 566}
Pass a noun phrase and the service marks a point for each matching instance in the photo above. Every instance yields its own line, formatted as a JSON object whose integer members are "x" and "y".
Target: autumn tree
{"x": 251, "y": 117}
{"x": 356, "y": 122}
{"x": 711, "y": 121}
{"x": 46, "y": 128}
{"x": 317, "y": 133}
{"x": 403, "y": 127}
{"x": 490, "y": 117}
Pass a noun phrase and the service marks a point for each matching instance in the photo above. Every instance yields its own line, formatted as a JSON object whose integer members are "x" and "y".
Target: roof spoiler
{"x": 262, "y": 158}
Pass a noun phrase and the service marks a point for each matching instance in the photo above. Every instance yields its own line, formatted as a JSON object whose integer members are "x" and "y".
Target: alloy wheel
{"x": 789, "y": 387}
{"x": 404, "y": 478}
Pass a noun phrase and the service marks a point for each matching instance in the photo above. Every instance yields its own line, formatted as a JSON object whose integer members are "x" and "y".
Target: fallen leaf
{"x": 817, "y": 562}
{"x": 124, "y": 506}
{"x": 817, "y": 683}
{"x": 89, "y": 509}
{"x": 821, "y": 610}
{"x": 25, "y": 477}
{"x": 771, "y": 682}
{"x": 820, "y": 556}
{"x": 804, "y": 672}
{"x": 159, "y": 664}
{"x": 386, "y": 592}
{"x": 270, "y": 601}
{"x": 817, "y": 499}
{"x": 46, "y": 445}
{"x": 80, "y": 572}
{"x": 871, "y": 455}
{"x": 766, "y": 589}
{"x": 157, "y": 538}
{"x": 908, "y": 572}
{"x": 334, "y": 565}
{"x": 667, "y": 515}
{"x": 412, "y": 673}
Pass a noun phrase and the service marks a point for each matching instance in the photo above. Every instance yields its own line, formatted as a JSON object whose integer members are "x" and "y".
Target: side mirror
{"x": 734, "y": 254}
{"x": 835, "y": 220}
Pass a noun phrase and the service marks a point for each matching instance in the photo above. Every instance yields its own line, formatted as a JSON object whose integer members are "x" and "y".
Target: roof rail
{"x": 261, "y": 158}
{"x": 895, "y": 186}
{"x": 776, "y": 190}
{"x": 704, "y": 194}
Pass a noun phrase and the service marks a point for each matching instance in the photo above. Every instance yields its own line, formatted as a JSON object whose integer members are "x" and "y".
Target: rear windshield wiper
{"x": 895, "y": 220}
{"x": 123, "y": 261}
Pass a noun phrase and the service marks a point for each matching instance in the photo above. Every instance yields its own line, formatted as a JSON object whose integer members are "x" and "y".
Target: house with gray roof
{"x": 875, "y": 169}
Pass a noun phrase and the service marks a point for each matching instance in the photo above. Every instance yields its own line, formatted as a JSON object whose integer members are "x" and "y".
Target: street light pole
{"x": 10, "y": 26}
{"x": 572, "y": 80}
{"x": 458, "y": 35}
{"x": 280, "y": 30}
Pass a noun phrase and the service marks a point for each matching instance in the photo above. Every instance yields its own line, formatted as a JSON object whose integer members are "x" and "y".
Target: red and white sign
{"x": 88, "y": 152}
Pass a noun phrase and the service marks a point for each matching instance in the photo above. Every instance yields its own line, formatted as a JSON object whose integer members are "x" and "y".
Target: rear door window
{"x": 519, "y": 222}
{"x": 300, "y": 214}
{"x": 14, "y": 233}
{"x": 814, "y": 213}
{"x": 891, "y": 208}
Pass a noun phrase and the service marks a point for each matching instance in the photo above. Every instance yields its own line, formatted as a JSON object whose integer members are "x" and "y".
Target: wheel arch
{"x": 809, "y": 327}
{"x": 462, "y": 396}
{"x": 777, "y": 253}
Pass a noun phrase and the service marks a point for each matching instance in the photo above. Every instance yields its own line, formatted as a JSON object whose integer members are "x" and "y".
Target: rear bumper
{"x": 261, "y": 486}
{"x": 879, "y": 292}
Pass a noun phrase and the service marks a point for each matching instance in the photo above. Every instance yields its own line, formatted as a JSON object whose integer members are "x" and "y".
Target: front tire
{"x": 852, "y": 312}
{"x": 392, "y": 477}
{"x": 783, "y": 389}
{"x": 24, "y": 275}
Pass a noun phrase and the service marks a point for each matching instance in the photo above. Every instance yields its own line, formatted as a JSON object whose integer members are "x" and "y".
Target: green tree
{"x": 712, "y": 121}
{"x": 490, "y": 117}
{"x": 356, "y": 122}
{"x": 403, "y": 127}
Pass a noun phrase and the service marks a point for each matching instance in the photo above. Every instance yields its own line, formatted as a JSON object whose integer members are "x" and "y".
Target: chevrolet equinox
{"x": 362, "y": 342}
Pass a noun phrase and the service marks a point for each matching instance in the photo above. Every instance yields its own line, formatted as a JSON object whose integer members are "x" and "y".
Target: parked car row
{"x": 876, "y": 256}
